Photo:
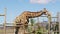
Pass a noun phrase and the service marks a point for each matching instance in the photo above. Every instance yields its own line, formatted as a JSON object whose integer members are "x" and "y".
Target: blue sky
{"x": 16, "y": 7}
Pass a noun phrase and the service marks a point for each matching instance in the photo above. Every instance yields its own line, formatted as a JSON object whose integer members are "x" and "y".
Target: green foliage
{"x": 39, "y": 33}
{"x": 39, "y": 30}
{"x": 32, "y": 22}
{"x": 30, "y": 28}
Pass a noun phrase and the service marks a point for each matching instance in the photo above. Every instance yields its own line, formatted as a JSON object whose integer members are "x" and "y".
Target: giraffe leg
{"x": 17, "y": 29}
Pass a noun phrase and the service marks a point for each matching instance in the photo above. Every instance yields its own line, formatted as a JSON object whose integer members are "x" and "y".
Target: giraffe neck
{"x": 34, "y": 14}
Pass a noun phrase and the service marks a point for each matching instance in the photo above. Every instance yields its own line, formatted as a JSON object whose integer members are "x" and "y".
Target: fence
{"x": 31, "y": 29}
{"x": 11, "y": 29}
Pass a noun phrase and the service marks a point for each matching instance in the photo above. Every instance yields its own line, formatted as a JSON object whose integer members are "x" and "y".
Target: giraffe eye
{"x": 45, "y": 13}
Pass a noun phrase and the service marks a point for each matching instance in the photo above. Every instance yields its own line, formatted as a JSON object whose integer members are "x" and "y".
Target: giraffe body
{"x": 24, "y": 18}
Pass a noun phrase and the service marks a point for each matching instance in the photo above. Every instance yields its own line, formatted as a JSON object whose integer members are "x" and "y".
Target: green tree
{"x": 32, "y": 21}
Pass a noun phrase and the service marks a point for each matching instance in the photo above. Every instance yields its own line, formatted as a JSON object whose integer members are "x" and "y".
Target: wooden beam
{"x": 49, "y": 21}
{"x": 2, "y": 15}
{"x": 46, "y": 16}
{"x": 5, "y": 21}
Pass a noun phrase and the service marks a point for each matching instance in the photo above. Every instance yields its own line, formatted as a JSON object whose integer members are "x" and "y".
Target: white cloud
{"x": 41, "y": 1}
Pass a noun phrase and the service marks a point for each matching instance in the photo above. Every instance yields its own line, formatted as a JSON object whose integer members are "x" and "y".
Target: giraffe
{"x": 25, "y": 16}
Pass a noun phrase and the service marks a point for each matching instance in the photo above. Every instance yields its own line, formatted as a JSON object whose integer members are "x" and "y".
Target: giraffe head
{"x": 45, "y": 12}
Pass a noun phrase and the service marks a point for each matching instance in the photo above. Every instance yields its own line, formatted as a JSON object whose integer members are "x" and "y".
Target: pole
{"x": 5, "y": 21}
{"x": 58, "y": 19}
{"x": 49, "y": 21}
